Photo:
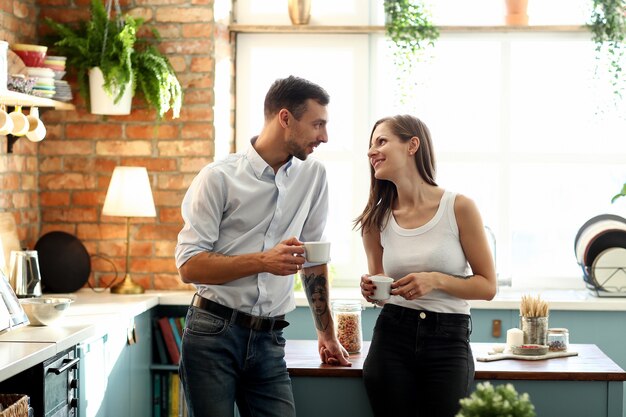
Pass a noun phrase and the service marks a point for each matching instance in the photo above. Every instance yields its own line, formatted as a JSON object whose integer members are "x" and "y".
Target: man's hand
{"x": 286, "y": 258}
{"x": 332, "y": 353}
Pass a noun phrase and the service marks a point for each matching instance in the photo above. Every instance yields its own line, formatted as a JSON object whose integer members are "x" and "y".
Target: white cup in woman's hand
{"x": 383, "y": 287}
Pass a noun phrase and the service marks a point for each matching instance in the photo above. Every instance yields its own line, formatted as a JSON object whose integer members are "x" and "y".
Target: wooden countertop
{"x": 591, "y": 364}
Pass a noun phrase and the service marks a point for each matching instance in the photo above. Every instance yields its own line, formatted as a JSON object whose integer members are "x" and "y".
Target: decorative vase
{"x": 104, "y": 103}
{"x": 516, "y": 12}
{"x": 535, "y": 330}
{"x": 300, "y": 11}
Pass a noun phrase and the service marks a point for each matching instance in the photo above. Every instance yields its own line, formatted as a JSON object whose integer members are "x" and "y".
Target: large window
{"x": 519, "y": 123}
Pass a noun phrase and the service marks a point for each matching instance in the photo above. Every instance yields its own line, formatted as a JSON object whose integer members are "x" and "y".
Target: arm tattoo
{"x": 316, "y": 290}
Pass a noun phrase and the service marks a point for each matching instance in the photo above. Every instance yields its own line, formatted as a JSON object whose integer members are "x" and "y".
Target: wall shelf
{"x": 12, "y": 98}
{"x": 237, "y": 28}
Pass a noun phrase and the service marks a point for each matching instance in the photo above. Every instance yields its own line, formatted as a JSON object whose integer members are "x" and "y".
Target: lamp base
{"x": 127, "y": 287}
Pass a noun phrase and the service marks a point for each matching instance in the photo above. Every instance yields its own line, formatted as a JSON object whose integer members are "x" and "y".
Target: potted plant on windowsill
{"x": 608, "y": 32}
{"x": 409, "y": 27}
{"x": 108, "y": 47}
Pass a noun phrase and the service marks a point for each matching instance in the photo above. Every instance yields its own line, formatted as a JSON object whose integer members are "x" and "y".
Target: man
{"x": 245, "y": 220}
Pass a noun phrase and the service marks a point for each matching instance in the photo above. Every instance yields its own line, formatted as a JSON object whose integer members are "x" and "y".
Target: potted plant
{"x": 490, "y": 401}
{"x": 108, "y": 47}
{"x": 408, "y": 26}
{"x": 608, "y": 32}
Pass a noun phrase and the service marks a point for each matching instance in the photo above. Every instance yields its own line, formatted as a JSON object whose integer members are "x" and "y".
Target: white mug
{"x": 20, "y": 122}
{"x": 6, "y": 123}
{"x": 383, "y": 287}
{"x": 317, "y": 251}
{"x": 36, "y": 128}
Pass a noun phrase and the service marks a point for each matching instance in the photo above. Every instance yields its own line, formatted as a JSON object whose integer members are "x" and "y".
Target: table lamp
{"x": 129, "y": 195}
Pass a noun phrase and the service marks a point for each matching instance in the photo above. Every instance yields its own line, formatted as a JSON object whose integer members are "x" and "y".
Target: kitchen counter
{"x": 591, "y": 364}
{"x": 589, "y": 384}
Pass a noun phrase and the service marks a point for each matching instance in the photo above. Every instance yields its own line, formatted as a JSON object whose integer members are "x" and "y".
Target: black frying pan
{"x": 64, "y": 262}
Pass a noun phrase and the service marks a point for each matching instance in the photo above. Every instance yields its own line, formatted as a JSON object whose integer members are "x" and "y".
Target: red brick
{"x": 157, "y": 232}
{"x": 193, "y": 165}
{"x": 171, "y": 282}
{"x": 50, "y": 163}
{"x": 198, "y": 96}
{"x": 196, "y": 114}
{"x": 101, "y": 231}
{"x": 184, "y": 14}
{"x": 61, "y": 148}
{"x": 135, "y": 147}
{"x": 186, "y": 47}
{"x": 76, "y": 215}
{"x": 54, "y": 227}
{"x": 168, "y": 198}
{"x": 202, "y": 64}
{"x": 88, "y": 198}
{"x": 166, "y": 130}
{"x": 153, "y": 265}
{"x": 170, "y": 215}
{"x": 165, "y": 248}
{"x": 186, "y": 147}
{"x": 152, "y": 164}
{"x": 197, "y": 30}
{"x": 93, "y": 131}
{"x": 54, "y": 198}
{"x": 174, "y": 182}
{"x": 71, "y": 181}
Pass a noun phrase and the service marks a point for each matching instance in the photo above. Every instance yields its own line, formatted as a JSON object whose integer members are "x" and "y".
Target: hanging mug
{"x": 20, "y": 122}
{"x": 36, "y": 128}
{"x": 6, "y": 123}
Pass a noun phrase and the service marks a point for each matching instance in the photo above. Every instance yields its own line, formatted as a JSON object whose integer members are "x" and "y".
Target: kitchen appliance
{"x": 24, "y": 270}
{"x": 52, "y": 385}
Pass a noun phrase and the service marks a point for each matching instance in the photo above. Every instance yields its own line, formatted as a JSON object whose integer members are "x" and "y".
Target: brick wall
{"x": 19, "y": 171}
{"x": 71, "y": 168}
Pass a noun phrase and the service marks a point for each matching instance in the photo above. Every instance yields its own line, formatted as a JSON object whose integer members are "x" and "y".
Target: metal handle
{"x": 67, "y": 364}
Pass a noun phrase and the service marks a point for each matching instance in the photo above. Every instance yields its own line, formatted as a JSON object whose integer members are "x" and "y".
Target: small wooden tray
{"x": 508, "y": 355}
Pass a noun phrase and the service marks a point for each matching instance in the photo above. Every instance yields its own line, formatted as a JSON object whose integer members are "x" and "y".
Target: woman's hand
{"x": 367, "y": 288}
{"x": 414, "y": 285}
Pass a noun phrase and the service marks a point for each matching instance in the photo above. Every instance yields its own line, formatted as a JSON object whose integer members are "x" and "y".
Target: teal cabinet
{"x": 115, "y": 371}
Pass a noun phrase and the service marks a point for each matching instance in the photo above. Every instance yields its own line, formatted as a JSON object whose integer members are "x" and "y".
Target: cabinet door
{"x": 140, "y": 360}
{"x": 92, "y": 378}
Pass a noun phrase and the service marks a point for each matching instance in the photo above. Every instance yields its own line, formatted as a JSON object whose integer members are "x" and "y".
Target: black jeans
{"x": 419, "y": 363}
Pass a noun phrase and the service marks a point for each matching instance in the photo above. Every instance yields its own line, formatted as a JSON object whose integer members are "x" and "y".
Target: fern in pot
{"x": 107, "y": 50}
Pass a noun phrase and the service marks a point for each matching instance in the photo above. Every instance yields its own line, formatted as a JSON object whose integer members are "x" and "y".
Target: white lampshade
{"x": 129, "y": 194}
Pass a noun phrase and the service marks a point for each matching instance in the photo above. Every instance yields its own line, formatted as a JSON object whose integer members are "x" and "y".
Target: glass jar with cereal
{"x": 347, "y": 316}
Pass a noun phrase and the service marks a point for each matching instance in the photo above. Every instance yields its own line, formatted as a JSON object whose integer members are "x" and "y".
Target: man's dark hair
{"x": 291, "y": 93}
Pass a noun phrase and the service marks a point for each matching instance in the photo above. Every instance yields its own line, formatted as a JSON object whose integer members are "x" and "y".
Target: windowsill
{"x": 508, "y": 299}
{"x": 364, "y": 29}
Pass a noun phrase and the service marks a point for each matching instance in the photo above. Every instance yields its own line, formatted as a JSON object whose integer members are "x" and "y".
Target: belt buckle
{"x": 256, "y": 322}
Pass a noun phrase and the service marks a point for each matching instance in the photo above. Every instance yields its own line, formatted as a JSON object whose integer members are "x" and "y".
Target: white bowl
{"x": 45, "y": 311}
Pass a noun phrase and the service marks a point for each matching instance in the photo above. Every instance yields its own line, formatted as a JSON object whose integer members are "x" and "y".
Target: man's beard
{"x": 294, "y": 148}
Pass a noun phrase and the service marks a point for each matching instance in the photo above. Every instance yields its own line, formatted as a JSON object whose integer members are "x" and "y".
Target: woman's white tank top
{"x": 432, "y": 247}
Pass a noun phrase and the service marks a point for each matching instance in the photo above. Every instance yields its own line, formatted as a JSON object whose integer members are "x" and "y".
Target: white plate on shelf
{"x": 609, "y": 270}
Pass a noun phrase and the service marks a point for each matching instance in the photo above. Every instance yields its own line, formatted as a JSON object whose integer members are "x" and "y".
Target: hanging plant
{"x": 608, "y": 29}
{"x": 409, "y": 27}
{"x": 111, "y": 43}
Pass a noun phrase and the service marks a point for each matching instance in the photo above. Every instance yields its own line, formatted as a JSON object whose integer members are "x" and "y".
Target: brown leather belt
{"x": 239, "y": 317}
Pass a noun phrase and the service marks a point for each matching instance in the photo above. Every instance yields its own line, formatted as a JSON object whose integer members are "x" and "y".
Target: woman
{"x": 433, "y": 243}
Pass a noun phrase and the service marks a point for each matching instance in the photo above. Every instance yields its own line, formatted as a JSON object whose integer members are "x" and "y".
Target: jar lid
{"x": 347, "y": 305}
{"x": 558, "y": 330}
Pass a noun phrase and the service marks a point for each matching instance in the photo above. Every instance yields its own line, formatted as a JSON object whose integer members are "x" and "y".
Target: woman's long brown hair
{"x": 383, "y": 193}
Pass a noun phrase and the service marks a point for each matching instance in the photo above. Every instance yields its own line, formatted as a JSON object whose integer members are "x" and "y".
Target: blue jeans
{"x": 419, "y": 363}
{"x": 223, "y": 363}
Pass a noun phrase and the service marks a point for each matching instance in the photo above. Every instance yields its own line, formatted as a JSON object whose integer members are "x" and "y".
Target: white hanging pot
{"x": 101, "y": 101}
